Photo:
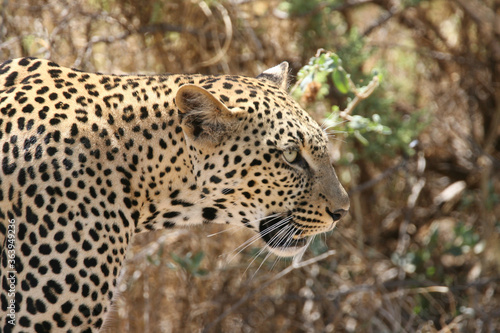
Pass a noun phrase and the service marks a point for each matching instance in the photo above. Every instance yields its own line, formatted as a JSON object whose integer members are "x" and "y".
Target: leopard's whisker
{"x": 337, "y": 139}
{"x": 227, "y": 229}
{"x": 261, "y": 264}
{"x": 283, "y": 234}
{"x": 332, "y": 133}
{"x": 297, "y": 258}
{"x": 256, "y": 237}
{"x": 277, "y": 238}
{"x": 288, "y": 235}
{"x": 234, "y": 253}
{"x": 327, "y": 120}
{"x": 276, "y": 261}
{"x": 262, "y": 250}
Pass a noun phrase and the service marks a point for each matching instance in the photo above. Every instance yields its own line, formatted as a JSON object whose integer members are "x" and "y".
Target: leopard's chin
{"x": 280, "y": 235}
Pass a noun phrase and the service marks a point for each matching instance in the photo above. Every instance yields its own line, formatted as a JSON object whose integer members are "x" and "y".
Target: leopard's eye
{"x": 290, "y": 155}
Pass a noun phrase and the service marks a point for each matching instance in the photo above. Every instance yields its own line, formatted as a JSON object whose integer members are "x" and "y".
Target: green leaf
{"x": 197, "y": 259}
{"x": 358, "y": 122}
{"x": 308, "y": 79}
{"x": 341, "y": 81}
{"x": 361, "y": 138}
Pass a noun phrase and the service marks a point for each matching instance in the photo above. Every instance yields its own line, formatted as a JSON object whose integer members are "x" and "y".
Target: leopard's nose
{"x": 337, "y": 214}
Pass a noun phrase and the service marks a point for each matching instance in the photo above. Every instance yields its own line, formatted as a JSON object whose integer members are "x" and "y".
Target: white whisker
{"x": 262, "y": 263}
{"x": 276, "y": 238}
{"x": 337, "y": 139}
{"x": 256, "y": 237}
{"x": 227, "y": 229}
{"x": 255, "y": 258}
{"x": 330, "y": 125}
{"x": 332, "y": 133}
{"x": 275, "y": 262}
{"x": 298, "y": 257}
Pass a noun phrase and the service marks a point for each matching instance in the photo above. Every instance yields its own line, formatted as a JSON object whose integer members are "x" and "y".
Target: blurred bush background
{"x": 420, "y": 249}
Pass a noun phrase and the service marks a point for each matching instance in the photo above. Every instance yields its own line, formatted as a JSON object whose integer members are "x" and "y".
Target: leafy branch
{"x": 314, "y": 84}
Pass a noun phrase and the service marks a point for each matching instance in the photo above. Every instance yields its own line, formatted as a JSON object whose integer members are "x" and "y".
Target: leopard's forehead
{"x": 269, "y": 108}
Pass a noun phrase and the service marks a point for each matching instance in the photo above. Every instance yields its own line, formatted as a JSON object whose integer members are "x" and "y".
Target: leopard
{"x": 89, "y": 160}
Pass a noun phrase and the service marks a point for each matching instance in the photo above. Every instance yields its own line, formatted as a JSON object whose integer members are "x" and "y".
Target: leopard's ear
{"x": 203, "y": 116}
{"x": 277, "y": 75}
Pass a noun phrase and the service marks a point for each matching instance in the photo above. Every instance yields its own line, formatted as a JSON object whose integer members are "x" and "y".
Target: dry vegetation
{"x": 420, "y": 250}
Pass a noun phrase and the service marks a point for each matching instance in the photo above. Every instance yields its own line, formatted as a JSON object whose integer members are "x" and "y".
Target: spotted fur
{"x": 90, "y": 160}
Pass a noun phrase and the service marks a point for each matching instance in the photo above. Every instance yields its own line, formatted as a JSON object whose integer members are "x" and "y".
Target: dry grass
{"x": 419, "y": 251}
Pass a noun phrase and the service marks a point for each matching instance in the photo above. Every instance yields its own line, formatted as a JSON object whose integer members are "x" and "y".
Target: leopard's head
{"x": 260, "y": 159}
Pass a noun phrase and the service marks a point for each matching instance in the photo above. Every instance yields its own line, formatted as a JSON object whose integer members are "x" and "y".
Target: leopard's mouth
{"x": 281, "y": 235}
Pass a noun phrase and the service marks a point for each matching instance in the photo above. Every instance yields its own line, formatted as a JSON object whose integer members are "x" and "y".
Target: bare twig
{"x": 359, "y": 96}
{"x": 381, "y": 20}
{"x": 374, "y": 181}
{"x": 228, "y": 36}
